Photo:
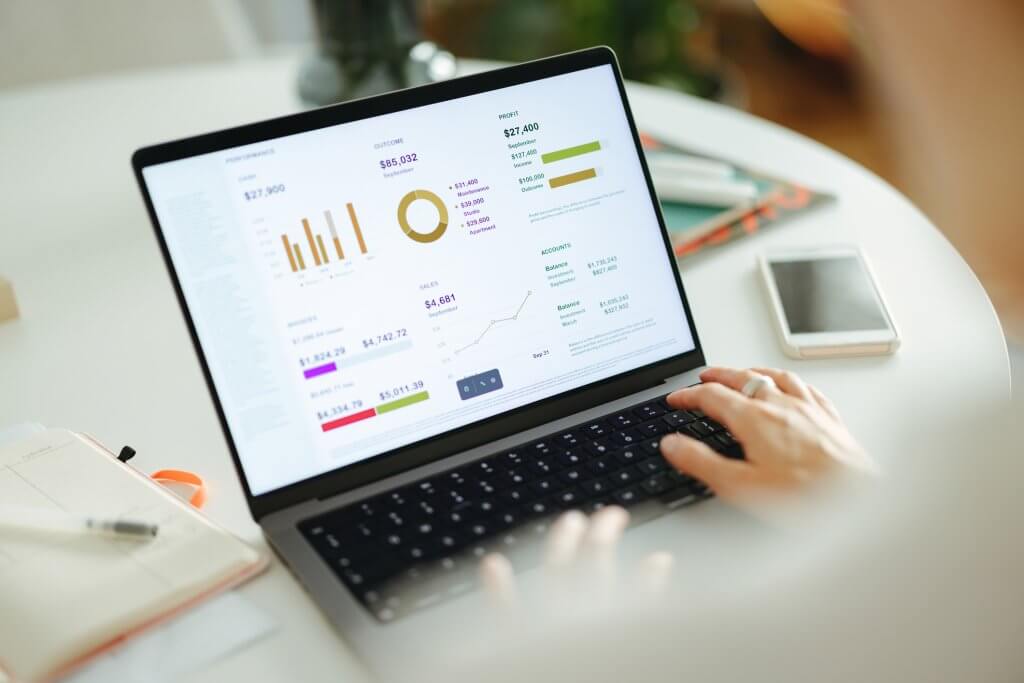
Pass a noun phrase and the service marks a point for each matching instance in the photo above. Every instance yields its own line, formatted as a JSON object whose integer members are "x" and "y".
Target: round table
{"x": 101, "y": 346}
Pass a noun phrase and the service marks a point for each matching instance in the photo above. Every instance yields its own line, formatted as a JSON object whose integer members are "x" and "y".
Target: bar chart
{"x": 571, "y": 153}
{"x": 315, "y": 245}
{"x": 379, "y": 409}
{"x": 358, "y": 359}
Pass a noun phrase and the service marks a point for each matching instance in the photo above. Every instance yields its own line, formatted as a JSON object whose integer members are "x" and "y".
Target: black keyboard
{"x": 394, "y": 550}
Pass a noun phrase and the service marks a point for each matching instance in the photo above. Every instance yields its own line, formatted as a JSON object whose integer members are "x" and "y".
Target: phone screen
{"x": 831, "y": 294}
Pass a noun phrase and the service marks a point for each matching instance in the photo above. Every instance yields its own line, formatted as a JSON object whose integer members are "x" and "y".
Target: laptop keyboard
{"x": 394, "y": 551}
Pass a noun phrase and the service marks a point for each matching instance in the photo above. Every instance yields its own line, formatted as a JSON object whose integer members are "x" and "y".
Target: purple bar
{"x": 319, "y": 370}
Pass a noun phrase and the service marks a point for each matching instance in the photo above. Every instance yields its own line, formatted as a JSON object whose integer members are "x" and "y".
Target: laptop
{"x": 432, "y": 320}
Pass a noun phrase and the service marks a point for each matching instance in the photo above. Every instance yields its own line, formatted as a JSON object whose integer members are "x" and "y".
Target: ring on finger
{"x": 756, "y": 384}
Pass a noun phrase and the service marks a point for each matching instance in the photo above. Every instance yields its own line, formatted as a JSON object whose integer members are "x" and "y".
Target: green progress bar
{"x": 402, "y": 402}
{"x": 570, "y": 152}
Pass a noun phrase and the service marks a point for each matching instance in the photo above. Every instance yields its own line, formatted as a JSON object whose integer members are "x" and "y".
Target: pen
{"x": 49, "y": 521}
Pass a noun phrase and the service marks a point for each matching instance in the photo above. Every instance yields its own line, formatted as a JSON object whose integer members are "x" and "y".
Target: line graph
{"x": 497, "y": 321}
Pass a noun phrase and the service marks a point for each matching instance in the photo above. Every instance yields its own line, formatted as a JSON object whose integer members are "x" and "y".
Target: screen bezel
{"x": 811, "y": 340}
{"x": 474, "y": 434}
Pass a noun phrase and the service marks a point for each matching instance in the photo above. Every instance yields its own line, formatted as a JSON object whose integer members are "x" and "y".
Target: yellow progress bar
{"x": 570, "y": 178}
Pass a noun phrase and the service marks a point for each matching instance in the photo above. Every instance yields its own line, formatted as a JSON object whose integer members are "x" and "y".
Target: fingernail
{"x": 671, "y": 442}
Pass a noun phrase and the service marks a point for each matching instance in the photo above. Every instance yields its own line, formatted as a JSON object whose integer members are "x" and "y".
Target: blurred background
{"x": 788, "y": 61}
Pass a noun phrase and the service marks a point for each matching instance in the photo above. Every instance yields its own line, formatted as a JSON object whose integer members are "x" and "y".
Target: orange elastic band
{"x": 182, "y": 477}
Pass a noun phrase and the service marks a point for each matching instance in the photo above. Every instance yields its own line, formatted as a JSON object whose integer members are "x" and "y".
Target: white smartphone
{"x": 827, "y": 303}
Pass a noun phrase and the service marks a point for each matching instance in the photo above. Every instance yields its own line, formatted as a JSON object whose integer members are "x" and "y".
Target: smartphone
{"x": 827, "y": 303}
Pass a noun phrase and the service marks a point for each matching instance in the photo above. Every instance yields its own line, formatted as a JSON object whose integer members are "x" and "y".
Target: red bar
{"x": 348, "y": 419}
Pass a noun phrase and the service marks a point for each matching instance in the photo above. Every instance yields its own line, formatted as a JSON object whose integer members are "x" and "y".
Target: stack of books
{"x": 709, "y": 202}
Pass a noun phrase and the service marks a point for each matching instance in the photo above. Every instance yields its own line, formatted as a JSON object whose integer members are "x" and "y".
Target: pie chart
{"x": 442, "y": 216}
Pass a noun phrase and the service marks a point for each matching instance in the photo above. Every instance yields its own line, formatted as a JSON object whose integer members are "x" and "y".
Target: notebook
{"x": 697, "y": 229}
{"x": 66, "y": 598}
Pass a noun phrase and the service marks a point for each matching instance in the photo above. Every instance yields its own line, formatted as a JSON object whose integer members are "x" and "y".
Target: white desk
{"x": 101, "y": 345}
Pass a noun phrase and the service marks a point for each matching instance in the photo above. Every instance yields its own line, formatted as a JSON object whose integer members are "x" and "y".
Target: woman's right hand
{"x": 791, "y": 434}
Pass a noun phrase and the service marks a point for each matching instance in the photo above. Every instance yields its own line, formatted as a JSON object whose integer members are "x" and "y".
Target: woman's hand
{"x": 791, "y": 434}
{"x": 580, "y": 570}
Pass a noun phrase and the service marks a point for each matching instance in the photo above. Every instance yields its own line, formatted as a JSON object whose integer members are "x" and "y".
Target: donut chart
{"x": 442, "y": 216}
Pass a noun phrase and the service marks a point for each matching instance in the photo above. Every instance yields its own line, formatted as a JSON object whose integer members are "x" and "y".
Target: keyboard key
{"x": 547, "y": 485}
{"x": 629, "y": 496}
{"x": 454, "y": 497}
{"x": 366, "y": 530}
{"x": 726, "y": 446}
{"x": 572, "y": 476}
{"x": 511, "y": 458}
{"x": 508, "y": 519}
{"x": 701, "y": 429}
{"x": 678, "y": 418}
{"x": 569, "y": 498}
{"x": 626, "y": 476}
{"x": 595, "y": 447}
{"x": 713, "y": 426}
{"x": 570, "y": 458}
{"x": 518, "y": 495}
{"x": 536, "y": 508}
{"x": 656, "y": 428}
{"x": 651, "y": 446}
{"x": 650, "y": 410}
{"x": 659, "y": 483}
{"x": 629, "y": 455}
{"x": 597, "y": 487}
{"x": 623, "y": 420}
{"x": 595, "y": 430}
{"x": 461, "y": 515}
{"x": 568, "y": 439}
{"x": 394, "y": 520}
{"x": 487, "y": 486}
{"x": 419, "y": 552}
{"x": 517, "y": 476}
{"x": 542, "y": 448}
{"x": 601, "y": 465}
{"x": 626, "y": 437}
{"x": 542, "y": 467}
{"x": 424, "y": 509}
{"x": 450, "y": 541}
{"x": 655, "y": 464}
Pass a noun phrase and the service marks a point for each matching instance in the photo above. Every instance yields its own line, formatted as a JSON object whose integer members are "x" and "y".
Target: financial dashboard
{"x": 365, "y": 286}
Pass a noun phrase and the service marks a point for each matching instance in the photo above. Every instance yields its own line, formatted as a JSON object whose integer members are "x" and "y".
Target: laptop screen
{"x": 366, "y": 286}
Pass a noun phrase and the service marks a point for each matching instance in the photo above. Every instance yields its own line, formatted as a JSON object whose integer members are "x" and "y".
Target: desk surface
{"x": 101, "y": 346}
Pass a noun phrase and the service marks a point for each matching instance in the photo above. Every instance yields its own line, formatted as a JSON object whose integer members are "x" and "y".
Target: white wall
{"x": 43, "y": 40}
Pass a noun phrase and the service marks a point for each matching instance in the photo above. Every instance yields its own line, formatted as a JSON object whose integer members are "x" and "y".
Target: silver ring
{"x": 756, "y": 384}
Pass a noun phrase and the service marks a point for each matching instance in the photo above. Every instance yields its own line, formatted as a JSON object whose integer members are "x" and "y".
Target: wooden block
{"x": 8, "y": 307}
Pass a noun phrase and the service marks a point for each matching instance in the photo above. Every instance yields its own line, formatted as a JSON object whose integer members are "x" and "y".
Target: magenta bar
{"x": 319, "y": 370}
